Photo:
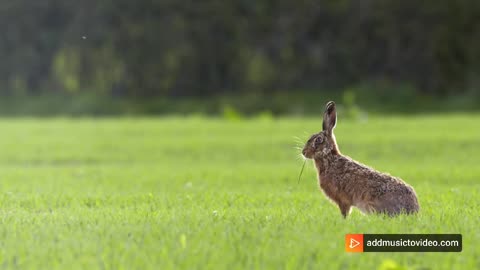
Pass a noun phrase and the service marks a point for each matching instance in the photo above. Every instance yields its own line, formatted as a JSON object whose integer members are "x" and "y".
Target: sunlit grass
{"x": 170, "y": 193}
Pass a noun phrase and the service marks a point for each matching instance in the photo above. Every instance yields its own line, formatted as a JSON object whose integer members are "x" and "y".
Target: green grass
{"x": 195, "y": 193}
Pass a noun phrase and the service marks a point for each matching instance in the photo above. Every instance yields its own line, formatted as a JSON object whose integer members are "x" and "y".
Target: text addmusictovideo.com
{"x": 403, "y": 242}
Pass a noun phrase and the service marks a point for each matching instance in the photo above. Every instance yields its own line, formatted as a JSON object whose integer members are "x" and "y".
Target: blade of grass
{"x": 301, "y": 172}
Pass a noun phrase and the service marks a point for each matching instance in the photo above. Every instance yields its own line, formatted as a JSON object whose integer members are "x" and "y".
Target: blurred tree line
{"x": 200, "y": 48}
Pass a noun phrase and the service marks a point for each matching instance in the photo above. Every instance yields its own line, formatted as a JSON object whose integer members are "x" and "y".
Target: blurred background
{"x": 235, "y": 57}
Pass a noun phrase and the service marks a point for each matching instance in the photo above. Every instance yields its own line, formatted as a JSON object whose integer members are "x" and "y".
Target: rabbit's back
{"x": 367, "y": 189}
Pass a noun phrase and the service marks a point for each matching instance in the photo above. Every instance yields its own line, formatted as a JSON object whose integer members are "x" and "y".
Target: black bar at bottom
{"x": 412, "y": 243}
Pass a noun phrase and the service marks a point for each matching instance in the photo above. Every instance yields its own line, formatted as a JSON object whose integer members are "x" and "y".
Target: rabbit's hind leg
{"x": 345, "y": 209}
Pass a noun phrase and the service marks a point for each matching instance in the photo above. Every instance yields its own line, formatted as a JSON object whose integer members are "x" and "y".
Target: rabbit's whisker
{"x": 298, "y": 139}
{"x": 300, "y": 157}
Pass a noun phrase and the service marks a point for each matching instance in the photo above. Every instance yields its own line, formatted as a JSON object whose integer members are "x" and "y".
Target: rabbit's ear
{"x": 329, "y": 117}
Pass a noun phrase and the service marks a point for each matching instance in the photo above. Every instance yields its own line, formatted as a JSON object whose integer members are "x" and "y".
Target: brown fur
{"x": 349, "y": 183}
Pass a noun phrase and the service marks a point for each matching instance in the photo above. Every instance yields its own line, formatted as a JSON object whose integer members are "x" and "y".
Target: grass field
{"x": 195, "y": 193}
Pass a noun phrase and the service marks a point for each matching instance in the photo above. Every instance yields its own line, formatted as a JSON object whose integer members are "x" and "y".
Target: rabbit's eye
{"x": 318, "y": 140}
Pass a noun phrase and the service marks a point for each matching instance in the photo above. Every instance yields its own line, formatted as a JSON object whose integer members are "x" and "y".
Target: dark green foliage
{"x": 204, "y": 48}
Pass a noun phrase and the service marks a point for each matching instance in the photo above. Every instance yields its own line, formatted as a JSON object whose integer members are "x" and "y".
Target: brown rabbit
{"x": 349, "y": 183}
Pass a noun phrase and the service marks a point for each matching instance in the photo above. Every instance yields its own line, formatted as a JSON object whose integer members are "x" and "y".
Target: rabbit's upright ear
{"x": 329, "y": 117}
